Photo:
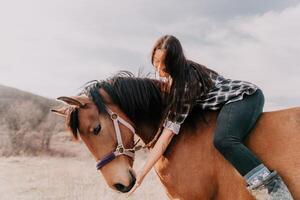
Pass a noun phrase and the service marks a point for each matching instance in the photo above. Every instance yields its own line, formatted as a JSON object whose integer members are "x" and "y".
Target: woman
{"x": 240, "y": 104}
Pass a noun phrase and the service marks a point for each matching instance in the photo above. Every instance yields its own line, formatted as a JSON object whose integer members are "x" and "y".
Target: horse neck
{"x": 141, "y": 101}
{"x": 148, "y": 128}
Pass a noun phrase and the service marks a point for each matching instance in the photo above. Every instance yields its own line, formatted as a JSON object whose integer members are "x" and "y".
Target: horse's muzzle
{"x": 122, "y": 188}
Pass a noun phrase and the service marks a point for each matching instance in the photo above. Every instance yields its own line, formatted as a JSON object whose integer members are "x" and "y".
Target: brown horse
{"x": 191, "y": 167}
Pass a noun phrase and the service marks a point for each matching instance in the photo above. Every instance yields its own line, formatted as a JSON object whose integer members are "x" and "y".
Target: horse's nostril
{"x": 120, "y": 187}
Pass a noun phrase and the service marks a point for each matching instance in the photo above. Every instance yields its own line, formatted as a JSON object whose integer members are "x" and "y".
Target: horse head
{"x": 98, "y": 132}
{"x": 107, "y": 115}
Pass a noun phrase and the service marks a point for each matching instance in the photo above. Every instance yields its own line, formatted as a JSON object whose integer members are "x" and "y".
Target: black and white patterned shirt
{"x": 224, "y": 91}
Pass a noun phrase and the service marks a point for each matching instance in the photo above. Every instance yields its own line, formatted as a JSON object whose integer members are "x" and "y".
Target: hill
{"x": 26, "y": 123}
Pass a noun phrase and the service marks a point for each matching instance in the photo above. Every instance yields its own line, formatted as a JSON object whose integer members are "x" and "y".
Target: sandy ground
{"x": 68, "y": 178}
{"x": 38, "y": 178}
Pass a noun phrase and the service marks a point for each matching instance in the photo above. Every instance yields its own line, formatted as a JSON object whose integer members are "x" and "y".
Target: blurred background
{"x": 51, "y": 48}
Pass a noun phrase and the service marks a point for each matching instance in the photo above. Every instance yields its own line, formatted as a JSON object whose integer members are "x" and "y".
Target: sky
{"x": 51, "y": 48}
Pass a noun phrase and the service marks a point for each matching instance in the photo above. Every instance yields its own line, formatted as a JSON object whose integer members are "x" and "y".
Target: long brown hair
{"x": 183, "y": 73}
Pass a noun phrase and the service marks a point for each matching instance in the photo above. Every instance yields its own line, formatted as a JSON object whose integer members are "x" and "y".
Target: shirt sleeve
{"x": 175, "y": 118}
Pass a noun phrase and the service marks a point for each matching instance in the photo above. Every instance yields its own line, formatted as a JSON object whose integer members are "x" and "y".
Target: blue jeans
{"x": 234, "y": 122}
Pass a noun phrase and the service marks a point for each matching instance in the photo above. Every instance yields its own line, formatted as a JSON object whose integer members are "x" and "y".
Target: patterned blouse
{"x": 224, "y": 91}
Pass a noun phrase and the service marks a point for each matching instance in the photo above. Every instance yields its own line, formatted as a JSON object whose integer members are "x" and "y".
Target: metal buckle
{"x": 114, "y": 116}
{"x": 120, "y": 149}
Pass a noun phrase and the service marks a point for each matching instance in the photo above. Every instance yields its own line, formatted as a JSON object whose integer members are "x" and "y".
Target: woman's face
{"x": 159, "y": 62}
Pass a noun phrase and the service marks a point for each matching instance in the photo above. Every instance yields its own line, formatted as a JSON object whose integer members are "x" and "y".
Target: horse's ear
{"x": 60, "y": 111}
{"x": 71, "y": 101}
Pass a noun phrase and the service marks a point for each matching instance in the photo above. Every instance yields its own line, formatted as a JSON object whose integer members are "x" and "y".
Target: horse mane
{"x": 138, "y": 97}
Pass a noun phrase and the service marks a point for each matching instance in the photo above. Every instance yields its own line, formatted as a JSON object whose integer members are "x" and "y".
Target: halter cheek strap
{"x": 120, "y": 149}
{"x": 92, "y": 92}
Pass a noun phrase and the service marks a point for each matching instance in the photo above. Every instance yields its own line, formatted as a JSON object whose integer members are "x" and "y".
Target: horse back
{"x": 203, "y": 172}
{"x": 275, "y": 140}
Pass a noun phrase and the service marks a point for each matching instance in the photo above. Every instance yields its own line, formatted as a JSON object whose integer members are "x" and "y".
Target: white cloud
{"x": 263, "y": 49}
{"x": 53, "y": 47}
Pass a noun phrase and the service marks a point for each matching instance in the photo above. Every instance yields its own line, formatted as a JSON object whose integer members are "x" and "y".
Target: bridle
{"x": 120, "y": 149}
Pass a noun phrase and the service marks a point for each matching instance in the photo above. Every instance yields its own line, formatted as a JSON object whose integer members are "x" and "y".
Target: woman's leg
{"x": 234, "y": 123}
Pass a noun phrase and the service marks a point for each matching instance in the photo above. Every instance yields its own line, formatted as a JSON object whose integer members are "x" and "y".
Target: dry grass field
{"x": 68, "y": 178}
{"x": 38, "y": 161}
{"x": 45, "y": 178}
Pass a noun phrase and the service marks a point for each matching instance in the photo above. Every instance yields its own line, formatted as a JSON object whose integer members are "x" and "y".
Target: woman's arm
{"x": 171, "y": 126}
{"x": 155, "y": 153}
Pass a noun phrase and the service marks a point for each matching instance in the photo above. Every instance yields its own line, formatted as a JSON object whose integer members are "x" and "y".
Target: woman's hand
{"x": 157, "y": 151}
{"x": 139, "y": 179}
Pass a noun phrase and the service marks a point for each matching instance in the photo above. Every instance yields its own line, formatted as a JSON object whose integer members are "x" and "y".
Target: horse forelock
{"x": 72, "y": 121}
{"x": 91, "y": 89}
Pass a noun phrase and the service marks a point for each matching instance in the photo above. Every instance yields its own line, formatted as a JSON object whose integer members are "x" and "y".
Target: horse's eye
{"x": 97, "y": 130}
